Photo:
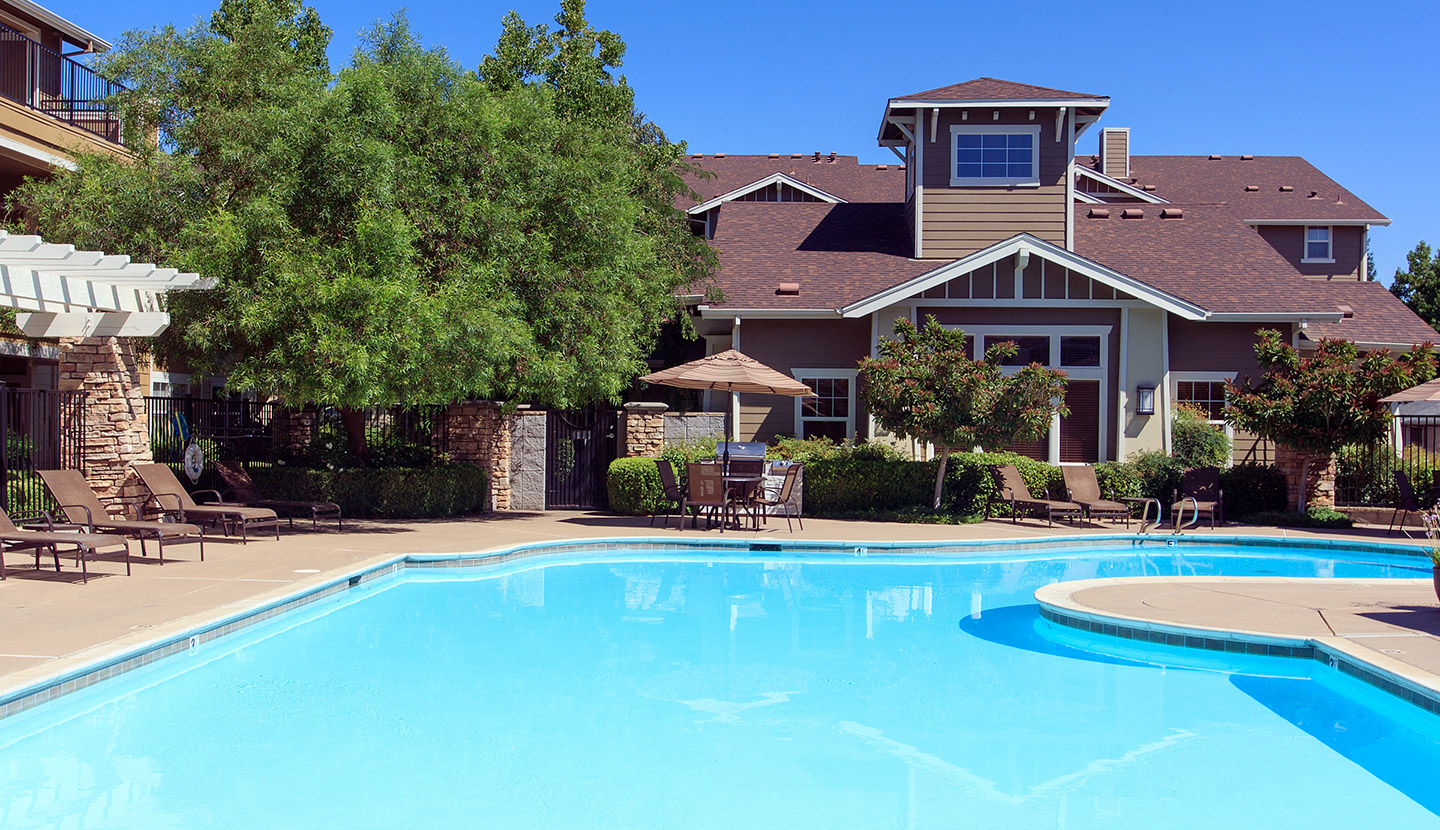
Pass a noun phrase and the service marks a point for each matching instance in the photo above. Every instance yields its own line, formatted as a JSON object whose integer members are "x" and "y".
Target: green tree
{"x": 1418, "y": 286}
{"x": 924, "y": 386}
{"x": 1194, "y": 441}
{"x": 1318, "y": 403}
{"x": 404, "y": 230}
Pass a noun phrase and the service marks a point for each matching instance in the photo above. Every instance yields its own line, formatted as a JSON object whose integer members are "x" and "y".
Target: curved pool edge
{"x": 29, "y": 687}
{"x": 1350, "y": 655}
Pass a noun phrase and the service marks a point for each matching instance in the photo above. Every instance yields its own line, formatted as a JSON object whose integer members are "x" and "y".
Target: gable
{"x": 776, "y": 187}
{"x": 1039, "y": 280}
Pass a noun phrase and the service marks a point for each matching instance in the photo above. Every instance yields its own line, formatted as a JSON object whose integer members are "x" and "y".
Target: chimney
{"x": 1115, "y": 152}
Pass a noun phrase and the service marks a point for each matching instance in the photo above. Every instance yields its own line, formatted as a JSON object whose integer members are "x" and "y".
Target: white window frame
{"x": 1176, "y": 378}
{"x": 1329, "y": 244}
{"x": 987, "y": 334}
{"x": 1033, "y": 180}
{"x": 818, "y": 374}
{"x": 169, "y": 379}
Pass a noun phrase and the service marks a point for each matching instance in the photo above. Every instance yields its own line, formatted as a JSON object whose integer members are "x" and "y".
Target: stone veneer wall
{"x": 684, "y": 428}
{"x": 527, "y": 460}
{"x": 117, "y": 432}
{"x": 480, "y": 433}
{"x": 643, "y": 428}
{"x": 1321, "y": 490}
{"x": 295, "y": 429}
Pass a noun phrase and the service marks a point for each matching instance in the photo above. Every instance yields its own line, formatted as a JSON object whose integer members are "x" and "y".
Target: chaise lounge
{"x": 1012, "y": 490}
{"x": 168, "y": 497}
{"x": 82, "y": 507}
{"x": 86, "y": 545}
{"x": 244, "y": 492}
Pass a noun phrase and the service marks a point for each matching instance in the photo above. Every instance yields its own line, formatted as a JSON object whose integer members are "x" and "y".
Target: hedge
{"x": 383, "y": 492}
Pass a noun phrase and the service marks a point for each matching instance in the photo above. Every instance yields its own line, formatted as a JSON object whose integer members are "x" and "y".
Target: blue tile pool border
{"x": 70, "y": 681}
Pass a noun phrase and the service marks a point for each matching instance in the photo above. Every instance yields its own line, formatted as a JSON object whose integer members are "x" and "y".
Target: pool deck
{"x": 51, "y": 623}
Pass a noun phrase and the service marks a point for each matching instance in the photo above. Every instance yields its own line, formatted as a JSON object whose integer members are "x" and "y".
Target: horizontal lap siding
{"x": 784, "y": 345}
{"x": 956, "y": 221}
{"x": 1347, "y": 246}
{"x": 1215, "y": 347}
{"x": 1117, "y": 150}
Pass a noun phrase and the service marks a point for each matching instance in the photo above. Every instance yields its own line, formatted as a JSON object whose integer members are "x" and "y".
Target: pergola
{"x": 62, "y": 292}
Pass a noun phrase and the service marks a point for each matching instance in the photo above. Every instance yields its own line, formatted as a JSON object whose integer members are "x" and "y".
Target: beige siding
{"x": 960, "y": 220}
{"x": 789, "y": 344}
{"x": 1347, "y": 245}
{"x": 1115, "y": 150}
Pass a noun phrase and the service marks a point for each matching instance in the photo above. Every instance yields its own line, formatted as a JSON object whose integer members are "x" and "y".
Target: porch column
{"x": 117, "y": 432}
{"x": 643, "y": 428}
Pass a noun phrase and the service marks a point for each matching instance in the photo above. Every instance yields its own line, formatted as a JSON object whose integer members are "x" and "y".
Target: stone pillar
{"x": 1321, "y": 487}
{"x": 295, "y": 430}
{"x": 643, "y": 428}
{"x": 527, "y": 460}
{"x": 117, "y": 432}
{"x": 482, "y": 433}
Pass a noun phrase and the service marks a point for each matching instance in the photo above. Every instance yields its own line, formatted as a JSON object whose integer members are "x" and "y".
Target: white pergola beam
{"x": 102, "y": 324}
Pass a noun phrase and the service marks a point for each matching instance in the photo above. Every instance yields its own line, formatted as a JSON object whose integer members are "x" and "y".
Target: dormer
{"x": 987, "y": 159}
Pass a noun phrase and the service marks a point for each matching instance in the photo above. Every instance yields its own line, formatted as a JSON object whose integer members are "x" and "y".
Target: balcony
{"x": 46, "y": 81}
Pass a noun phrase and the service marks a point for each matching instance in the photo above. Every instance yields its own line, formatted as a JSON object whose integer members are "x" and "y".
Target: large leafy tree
{"x": 1317, "y": 403}
{"x": 1418, "y": 286}
{"x": 404, "y": 230}
{"x": 923, "y": 385}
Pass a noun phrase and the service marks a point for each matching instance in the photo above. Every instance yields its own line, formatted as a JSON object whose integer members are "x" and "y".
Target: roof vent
{"x": 1148, "y": 188}
{"x": 788, "y": 289}
{"x": 882, "y": 167}
{"x": 1285, "y": 188}
{"x": 774, "y": 155}
{"x": 832, "y": 156}
{"x": 719, "y": 155}
{"x": 817, "y": 155}
{"x": 1214, "y": 158}
{"x": 1099, "y": 213}
{"x": 796, "y": 155}
{"x": 1252, "y": 188}
{"x": 1172, "y": 213}
{"x": 697, "y": 155}
{"x": 901, "y": 167}
{"x": 1314, "y": 194}
{"x": 1345, "y": 311}
{"x": 1247, "y": 158}
{"x": 1133, "y": 213}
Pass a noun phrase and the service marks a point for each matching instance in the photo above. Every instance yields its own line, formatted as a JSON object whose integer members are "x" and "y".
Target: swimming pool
{"x": 659, "y": 689}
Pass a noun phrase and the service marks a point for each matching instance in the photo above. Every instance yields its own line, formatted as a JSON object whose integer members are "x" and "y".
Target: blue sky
{"x": 1351, "y": 87}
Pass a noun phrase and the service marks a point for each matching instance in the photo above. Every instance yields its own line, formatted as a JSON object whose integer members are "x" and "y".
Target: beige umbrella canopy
{"x": 1427, "y": 391}
{"x": 732, "y": 372}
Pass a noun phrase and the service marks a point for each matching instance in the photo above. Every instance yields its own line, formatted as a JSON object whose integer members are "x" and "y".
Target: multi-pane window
{"x": 1317, "y": 243}
{"x": 1027, "y": 349}
{"x": 1079, "y": 351}
{"x": 994, "y": 155}
{"x": 1205, "y": 395}
{"x": 828, "y": 413}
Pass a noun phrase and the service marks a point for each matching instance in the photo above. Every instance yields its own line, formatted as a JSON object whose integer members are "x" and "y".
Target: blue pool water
{"x": 629, "y": 692}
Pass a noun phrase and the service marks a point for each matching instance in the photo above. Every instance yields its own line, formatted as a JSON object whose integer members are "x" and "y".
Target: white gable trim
{"x": 1349, "y": 223}
{"x": 1086, "y": 199}
{"x": 774, "y": 178}
{"x": 1128, "y": 190}
{"x": 1027, "y": 244}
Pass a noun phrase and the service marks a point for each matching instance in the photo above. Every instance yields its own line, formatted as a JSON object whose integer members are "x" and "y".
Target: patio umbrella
{"x": 732, "y": 372}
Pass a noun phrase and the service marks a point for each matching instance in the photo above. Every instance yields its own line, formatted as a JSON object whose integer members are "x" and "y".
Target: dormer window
{"x": 1317, "y": 245}
{"x": 994, "y": 155}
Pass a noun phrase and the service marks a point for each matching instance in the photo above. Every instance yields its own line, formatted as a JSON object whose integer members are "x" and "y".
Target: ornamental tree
{"x": 925, "y": 386}
{"x": 1318, "y": 403}
{"x": 403, "y": 230}
{"x": 1418, "y": 286}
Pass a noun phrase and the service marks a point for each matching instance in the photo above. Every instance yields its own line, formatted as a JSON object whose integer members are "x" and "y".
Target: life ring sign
{"x": 194, "y": 461}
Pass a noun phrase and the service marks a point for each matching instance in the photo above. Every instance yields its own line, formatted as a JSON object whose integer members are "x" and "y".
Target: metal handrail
{"x": 36, "y": 76}
{"x": 1145, "y": 515}
{"x": 1180, "y": 515}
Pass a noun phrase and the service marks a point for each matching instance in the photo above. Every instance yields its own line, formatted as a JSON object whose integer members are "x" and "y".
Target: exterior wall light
{"x": 1145, "y": 399}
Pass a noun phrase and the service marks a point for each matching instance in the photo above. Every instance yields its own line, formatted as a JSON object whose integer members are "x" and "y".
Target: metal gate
{"x": 579, "y": 446}
{"x": 43, "y": 430}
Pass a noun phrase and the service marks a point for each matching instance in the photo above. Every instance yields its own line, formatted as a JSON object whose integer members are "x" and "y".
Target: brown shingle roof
{"x": 993, "y": 89}
{"x": 1379, "y": 316}
{"x": 844, "y": 177}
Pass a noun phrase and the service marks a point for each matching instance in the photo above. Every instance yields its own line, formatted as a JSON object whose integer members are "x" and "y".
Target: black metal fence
{"x": 44, "y": 430}
{"x": 1366, "y": 473}
{"x": 267, "y": 433}
{"x": 42, "y": 79}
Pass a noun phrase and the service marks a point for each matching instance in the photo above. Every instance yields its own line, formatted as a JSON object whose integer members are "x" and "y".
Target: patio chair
{"x": 170, "y": 498}
{"x": 245, "y": 493}
{"x": 705, "y": 489}
{"x": 785, "y": 496}
{"x": 1200, "y": 495}
{"x": 1013, "y": 491}
{"x": 674, "y": 494}
{"x": 82, "y": 507}
{"x": 1083, "y": 488}
{"x": 86, "y": 545}
{"x": 1405, "y": 502}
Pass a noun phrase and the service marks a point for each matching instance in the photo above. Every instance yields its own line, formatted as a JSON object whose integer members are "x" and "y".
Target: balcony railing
{"x": 44, "y": 80}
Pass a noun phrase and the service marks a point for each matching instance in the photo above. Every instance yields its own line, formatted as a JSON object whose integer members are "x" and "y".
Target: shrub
{"x": 1119, "y": 480}
{"x": 634, "y": 486}
{"x": 849, "y": 487}
{"x": 430, "y": 492}
{"x": 1252, "y": 488}
{"x": 1159, "y": 474}
{"x": 1194, "y": 441}
{"x": 1315, "y": 516}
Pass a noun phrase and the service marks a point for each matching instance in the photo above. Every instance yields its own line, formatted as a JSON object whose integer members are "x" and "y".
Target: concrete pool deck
{"x": 50, "y": 622}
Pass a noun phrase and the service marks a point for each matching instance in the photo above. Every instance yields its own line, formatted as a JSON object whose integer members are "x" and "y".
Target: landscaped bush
{"x": 849, "y": 487}
{"x": 1194, "y": 441}
{"x": 383, "y": 493}
{"x": 1251, "y": 489}
{"x": 1119, "y": 480}
{"x": 1315, "y": 517}
{"x": 1159, "y": 475}
{"x": 634, "y": 486}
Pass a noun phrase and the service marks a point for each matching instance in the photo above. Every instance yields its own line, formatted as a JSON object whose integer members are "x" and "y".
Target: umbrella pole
{"x": 729, "y": 412}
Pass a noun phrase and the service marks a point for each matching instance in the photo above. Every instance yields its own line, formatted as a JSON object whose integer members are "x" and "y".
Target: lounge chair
{"x": 86, "y": 545}
{"x": 82, "y": 507}
{"x": 1083, "y": 488}
{"x": 244, "y": 493}
{"x": 1405, "y": 502}
{"x": 169, "y": 498}
{"x": 1199, "y": 495}
{"x": 785, "y": 496}
{"x": 705, "y": 489}
{"x": 1013, "y": 491}
{"x": 674, "y": 494}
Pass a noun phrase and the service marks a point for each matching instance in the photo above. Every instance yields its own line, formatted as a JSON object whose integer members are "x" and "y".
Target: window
{"x": 1317, "y": 245}
{"x": 1079, "y": 351}
{"x": 1028, "y": 349}
{"x": 169, "y": 385}
{"x": 994, "y": 155}
{"x": 1208, "y": 396}
{"x": 831, "y": 412}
